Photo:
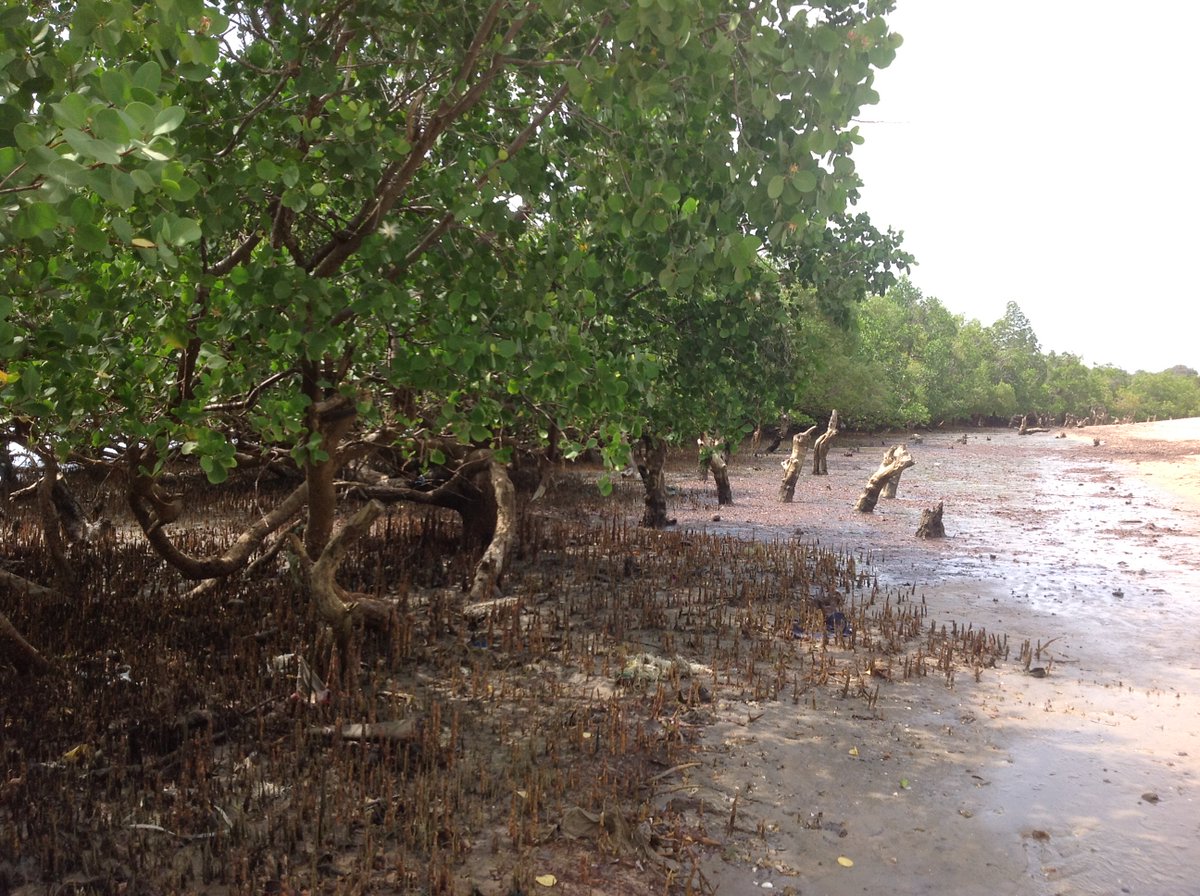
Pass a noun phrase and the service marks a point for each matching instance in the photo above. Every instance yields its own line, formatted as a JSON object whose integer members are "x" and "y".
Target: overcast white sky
{"x": 1048, "y": 153}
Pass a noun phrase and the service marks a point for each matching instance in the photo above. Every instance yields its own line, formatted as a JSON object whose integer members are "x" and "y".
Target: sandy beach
{"x": 1074, "y": 772}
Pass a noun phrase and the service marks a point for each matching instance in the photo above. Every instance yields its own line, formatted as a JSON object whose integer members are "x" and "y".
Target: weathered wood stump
{"x": 900, "y": 461}
{"x": 931, "y": 523}
{"x": 1027, "y": 430}
{"x": 893, "y": 482}
{"x": 720, "y": 471}
{"x": 821, "y": 448}
{"x": 713, "y": 456}
{"x": 801, "y": 442}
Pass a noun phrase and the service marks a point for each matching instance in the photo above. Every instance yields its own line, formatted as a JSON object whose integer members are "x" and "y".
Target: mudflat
{"x": 1068, "y": 767}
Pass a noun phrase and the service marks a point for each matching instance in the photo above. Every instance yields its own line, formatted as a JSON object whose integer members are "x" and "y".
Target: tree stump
{"x": 801, "y": 442}
{"x": 931, "y": 523}
{"x": 720, "y": 471}
{"x": 900, "y": 461}
{"x": 713, "y": 456}
{"x": 893, "y": 482}
{"x": 821, "y": 448}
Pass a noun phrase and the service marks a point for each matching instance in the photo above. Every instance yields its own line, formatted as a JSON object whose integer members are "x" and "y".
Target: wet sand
{"x": 1083, "y": 781}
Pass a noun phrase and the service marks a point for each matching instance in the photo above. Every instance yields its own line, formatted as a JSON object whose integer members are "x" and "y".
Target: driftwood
{"x": 900, "y": 461}
{"x": 407, "y": 730}
{"x": 801, "y": 442}
{"x": 821, "y": 448}
{"x": 1027, "y": 430}
{"x": 931, "y": 523}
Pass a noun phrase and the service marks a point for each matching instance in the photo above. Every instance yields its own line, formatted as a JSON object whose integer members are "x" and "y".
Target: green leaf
{"x": 72, "y": 111}
{"x": 775, "y": 186}
{"x": 26, "y": 136}
{"x": 185, "y": 230}
{"x": 90, "y": 238}
{"x": 575, "y": 81}
{"x": 35, "y": 219}
{"x": 804, "y": 180}
{"x": 168, "y": 120}
{"x": 108, "y": 124}
{"x": 115, "y": 84}
{"x": 148, "y": 76}
{"x": 92, "y": 149}
{"x": 142, "y": 115}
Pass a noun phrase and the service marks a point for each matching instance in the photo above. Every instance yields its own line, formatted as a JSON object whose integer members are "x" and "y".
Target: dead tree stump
{"x": 900, "y": 461}
{"x": 720, "y": 471}
{"x": 713, "y": 457}
{"x": 931, "y": 523}
{"x": 893, "y": 482}
{"x": 801, "y": 442}
{"x": 821, "y": 448}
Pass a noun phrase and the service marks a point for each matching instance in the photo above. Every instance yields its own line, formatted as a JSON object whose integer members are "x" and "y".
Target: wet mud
{"x": 1072, "y": 770}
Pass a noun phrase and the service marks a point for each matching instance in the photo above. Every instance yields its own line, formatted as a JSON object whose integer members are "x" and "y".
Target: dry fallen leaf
{"x": 546, "y": 880}
{"x": 845, "y": 862}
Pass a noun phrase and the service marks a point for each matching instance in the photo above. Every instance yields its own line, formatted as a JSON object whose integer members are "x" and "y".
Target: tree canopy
{"x": 476, "y": 220}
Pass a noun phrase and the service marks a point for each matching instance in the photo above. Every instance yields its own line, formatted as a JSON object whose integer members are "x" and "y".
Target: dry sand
{"x": 1083, "y": 781}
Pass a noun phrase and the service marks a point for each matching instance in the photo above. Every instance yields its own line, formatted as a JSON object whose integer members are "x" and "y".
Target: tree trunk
{"x": 931, "y": 523}
{"x": 650, "y": 455}
{"x": 52, "y": 529}
{"x": 720, "y": 471}
{"x": 490, "y": 568}
{"x": 337, "y": 606}
{"x": 333, "y": 419}
{"x": 481, "y": 492}
{"x": 900, "y": 461}
{"x": 821, "y": 449}
{"x": 801, "y": 442}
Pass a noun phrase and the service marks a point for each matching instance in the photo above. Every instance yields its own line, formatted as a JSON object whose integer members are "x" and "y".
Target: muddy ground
{"x": 1078, "y": 779}
{"x": 1013, "y": 709}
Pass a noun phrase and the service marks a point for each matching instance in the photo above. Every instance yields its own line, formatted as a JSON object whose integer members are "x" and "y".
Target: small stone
{"x": 1150, "y": 797}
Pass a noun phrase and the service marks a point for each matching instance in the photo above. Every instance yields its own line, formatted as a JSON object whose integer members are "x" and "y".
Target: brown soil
{"x": 662, "y": 712}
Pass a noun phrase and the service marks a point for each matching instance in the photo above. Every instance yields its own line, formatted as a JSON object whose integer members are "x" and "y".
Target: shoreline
{"x": 1165, "y": 453}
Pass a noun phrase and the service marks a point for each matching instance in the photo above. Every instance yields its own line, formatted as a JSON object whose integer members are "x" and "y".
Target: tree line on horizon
{"x": 908, "y": 361}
